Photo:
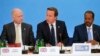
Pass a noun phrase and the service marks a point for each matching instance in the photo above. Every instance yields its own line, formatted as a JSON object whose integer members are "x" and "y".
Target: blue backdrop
{"x": 70, "y": 11}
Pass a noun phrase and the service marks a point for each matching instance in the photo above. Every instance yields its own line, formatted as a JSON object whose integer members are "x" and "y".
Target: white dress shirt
{"x": 18, "y": 32}
{"x": 54, "y": 25}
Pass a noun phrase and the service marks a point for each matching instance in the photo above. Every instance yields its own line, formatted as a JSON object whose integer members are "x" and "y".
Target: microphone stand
{"x": 24, "y": 51}
{"x": 61, "y": 50}
{"x": 96, "y": 50}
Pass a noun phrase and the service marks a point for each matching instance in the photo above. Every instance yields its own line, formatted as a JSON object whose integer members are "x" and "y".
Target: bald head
{"x": 17, "y": 15}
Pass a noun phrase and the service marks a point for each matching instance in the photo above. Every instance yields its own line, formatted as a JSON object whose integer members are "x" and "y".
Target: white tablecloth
{"x": 66, "y": 54}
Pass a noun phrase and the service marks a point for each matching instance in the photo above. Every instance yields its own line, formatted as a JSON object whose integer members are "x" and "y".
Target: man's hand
{"x": 48, "y": 45}
{"x": 60, "y": 44}
{"x": 93, "y": 42}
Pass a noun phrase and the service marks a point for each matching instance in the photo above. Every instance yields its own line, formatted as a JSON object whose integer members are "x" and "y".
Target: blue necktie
{"x": 89, "y": 34}
{"x": 52, "y": 35}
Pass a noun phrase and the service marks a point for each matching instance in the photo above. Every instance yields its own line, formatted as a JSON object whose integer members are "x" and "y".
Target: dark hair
{"x": 91, "y": 12}
{"x": 53, "y": 9}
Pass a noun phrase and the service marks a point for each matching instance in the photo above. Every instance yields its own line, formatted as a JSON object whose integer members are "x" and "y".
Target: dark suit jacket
{"x": 43, "y": 31}
{"x": 80, "y": 33}
{"x": 9, "y": 35}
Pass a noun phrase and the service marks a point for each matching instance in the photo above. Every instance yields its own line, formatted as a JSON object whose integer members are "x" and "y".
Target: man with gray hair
{"x": 17, "y": 32}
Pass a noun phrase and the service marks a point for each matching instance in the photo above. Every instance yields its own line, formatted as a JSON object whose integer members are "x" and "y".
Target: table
{"x": 93, "y": 54}
{"x": 65, "y": 54}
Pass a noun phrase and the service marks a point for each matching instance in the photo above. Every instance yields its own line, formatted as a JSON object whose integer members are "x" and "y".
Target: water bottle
{"x": 2, "y": 43}
{"x": 39, "y": 43}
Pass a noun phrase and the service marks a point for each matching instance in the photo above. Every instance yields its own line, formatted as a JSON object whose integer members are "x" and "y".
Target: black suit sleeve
{"x": 39, "y": 32}
{"x": 4, "y": 33}
{"x": 31, "y": 35}
{"x": 98, "y": 34}
{"x": 76, "y": 35}
{"x": 65, "y": 35}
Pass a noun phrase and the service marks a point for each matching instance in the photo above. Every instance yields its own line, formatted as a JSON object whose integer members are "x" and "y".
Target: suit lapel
{"x": 13, "y": 32}
{"x": 85, "y": 32}
{"x": 23, "y": 29}
{"x": 57, "y": 30}
{"x": 47, "y": 29}
{"x": 94, "y": 32}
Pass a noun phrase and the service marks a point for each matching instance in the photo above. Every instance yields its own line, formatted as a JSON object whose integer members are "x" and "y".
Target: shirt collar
{"x": 17, "y": 24}
{"x": 90, "y": 26}
{"x": 54, "y": 23}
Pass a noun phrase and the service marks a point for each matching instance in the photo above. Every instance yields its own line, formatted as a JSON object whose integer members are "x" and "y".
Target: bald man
{"x": 17, "y": 33}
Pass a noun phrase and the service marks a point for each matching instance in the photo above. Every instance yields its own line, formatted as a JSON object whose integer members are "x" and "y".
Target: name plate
{"x": 49, "y": 50}
{"x": 11, "y": 51}
{"x": 81, "y": 48}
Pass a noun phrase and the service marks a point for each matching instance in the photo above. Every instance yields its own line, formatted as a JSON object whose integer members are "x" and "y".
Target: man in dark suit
{"x": 87, "y": 32}
{"x": 53, "y": 31}
{"x": 17, "y": 31}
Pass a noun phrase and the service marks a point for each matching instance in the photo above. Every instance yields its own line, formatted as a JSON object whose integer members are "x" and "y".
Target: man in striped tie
{"x": 87, "y": 32}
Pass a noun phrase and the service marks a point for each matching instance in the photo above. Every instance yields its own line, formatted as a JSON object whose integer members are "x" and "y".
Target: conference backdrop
{"x": 70, "y": 11}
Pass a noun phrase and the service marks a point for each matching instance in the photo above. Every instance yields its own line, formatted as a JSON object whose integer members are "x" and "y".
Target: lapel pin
{"x": 58, "y": 26}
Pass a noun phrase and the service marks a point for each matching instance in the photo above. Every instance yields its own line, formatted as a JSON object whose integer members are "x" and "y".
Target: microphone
{"x": 96, "y": 50}
{"x": 24, "y": 51}
{"x": 61, "y": 50}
